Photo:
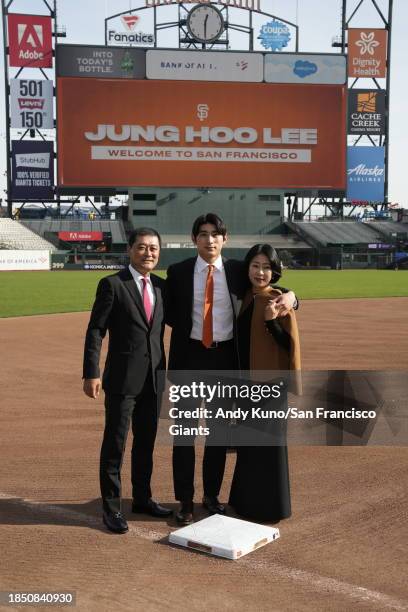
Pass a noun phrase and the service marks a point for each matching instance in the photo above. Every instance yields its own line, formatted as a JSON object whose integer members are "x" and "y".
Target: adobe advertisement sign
{"x": 367, "y": 53}
{"x": 204, "y": 66}
{"x": 365, "y": 173}
{"x": 160, "y": 133}
{"x": 366, "y": 111}
{"x": 80, "y": 236}
{"x": 32, "y": 169}
{"x": 30, "y": 40}
{"x": 101, "y": 62}
{"x": 31, "y": 103}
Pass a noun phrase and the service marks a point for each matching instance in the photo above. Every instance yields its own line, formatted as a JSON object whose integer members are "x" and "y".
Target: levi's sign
{"x": 31, "y": 103}
{"x": 161, "y": 133}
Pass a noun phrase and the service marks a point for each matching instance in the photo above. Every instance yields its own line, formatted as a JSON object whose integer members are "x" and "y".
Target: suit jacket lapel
{"x": 158, "y": 296}
{"x": 130, "y": 285}
{"x": 189, "y": 286}
{"x": 236, "y": 300}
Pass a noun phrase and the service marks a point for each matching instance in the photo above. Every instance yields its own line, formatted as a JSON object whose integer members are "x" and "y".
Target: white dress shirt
{"x": 137, "y": 277}
{"x": 223, "y": 321}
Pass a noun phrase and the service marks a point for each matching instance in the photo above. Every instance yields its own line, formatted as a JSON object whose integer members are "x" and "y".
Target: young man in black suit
{"x": 129, "y": 305}
{"x": 193, "y": 348}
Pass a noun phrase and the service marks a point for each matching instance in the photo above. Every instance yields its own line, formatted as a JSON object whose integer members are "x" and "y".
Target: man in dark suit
{"x": 204, "y": 339}
{"x": 130, "y": 305}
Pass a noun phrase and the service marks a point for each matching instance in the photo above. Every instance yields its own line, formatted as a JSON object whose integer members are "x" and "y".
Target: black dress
{"x": 260, "y": 486}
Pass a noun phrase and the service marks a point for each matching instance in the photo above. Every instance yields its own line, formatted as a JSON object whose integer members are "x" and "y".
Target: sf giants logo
{"x": 202, "y": 111}
{"x": 30, "y": 40}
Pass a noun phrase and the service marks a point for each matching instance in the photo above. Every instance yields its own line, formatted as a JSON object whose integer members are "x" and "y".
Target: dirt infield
{"x": 342, "y": 549}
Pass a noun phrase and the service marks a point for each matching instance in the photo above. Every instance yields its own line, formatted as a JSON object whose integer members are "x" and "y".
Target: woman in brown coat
{"x": 260, "y": 487}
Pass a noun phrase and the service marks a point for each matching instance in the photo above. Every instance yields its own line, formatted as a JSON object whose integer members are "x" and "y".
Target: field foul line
{"x": 303, "y": 577}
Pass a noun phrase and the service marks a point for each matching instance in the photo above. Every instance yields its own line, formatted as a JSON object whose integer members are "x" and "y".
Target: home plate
{"x": 224, "y": 536}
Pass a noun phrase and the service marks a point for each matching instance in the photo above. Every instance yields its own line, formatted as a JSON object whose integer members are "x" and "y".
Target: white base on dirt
{"x": 224, "y": 536}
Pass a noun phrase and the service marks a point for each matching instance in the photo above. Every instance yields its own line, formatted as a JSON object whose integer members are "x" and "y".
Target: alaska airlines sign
{"x": 250, "y": 5}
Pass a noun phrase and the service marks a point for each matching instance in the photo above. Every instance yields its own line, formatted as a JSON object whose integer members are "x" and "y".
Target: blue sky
{"x": 319, "y": 21}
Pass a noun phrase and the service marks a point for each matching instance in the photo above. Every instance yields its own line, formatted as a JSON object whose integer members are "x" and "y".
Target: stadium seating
{"x": 242, "y": 241}
{"x": 338, "y": 232}
{"x": 116, "y": 229}
{"x": 14, "y": 235}
{"x": 389, "y": 228}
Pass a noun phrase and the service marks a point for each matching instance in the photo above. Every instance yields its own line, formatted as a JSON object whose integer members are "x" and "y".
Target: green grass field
{"x": 28, "y": 293}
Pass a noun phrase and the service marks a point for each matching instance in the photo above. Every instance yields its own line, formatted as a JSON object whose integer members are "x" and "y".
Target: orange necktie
{"x": 208, "y": 308}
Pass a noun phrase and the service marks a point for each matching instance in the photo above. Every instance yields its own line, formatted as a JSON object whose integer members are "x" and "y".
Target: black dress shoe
{"x": 185, "y": 515}
{"x": 213, "y": 505}
{"x": 152, "y": 508}
{"x": 115, "y": 521}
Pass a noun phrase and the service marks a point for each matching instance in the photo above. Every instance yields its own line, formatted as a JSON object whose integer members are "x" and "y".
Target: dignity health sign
{"x": 159, "y": 133}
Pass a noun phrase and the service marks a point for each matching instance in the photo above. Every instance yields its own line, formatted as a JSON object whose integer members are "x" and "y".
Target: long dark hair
{"x": 271, "y": 254}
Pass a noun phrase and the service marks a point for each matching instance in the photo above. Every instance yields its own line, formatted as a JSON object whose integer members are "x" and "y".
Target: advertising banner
{"x": 274, "y": 35}
{"x": 323, "y": 69}
{"x": 80, "y": 236}
{"x": 365, "y": 173}
{"x": 30, "y": 40}
{"x": 160, "y": 133}
{"x": 132, "y": 29}
{"x": 32, "y": 169}
{"x": 24, "y": 260}
{"x": 204, "y": 66}
{"x": 31, "y": 103}
{"x": 366, "y": 111}
{"x": 367, "y": 53}
{"x": 101, "y": 62}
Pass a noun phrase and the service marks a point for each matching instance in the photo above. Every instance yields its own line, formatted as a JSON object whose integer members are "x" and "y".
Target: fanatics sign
{"x": 30, "y": 40}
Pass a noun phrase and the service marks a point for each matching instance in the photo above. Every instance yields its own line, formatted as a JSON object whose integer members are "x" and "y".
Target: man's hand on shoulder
{"x": 285, "y": 303}
{"x": 92, "y": 387}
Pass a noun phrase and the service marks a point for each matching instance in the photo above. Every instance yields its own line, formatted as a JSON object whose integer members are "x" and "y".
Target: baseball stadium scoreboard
{"x": 192, "y": 118}
{"x": 135, "y": 114}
